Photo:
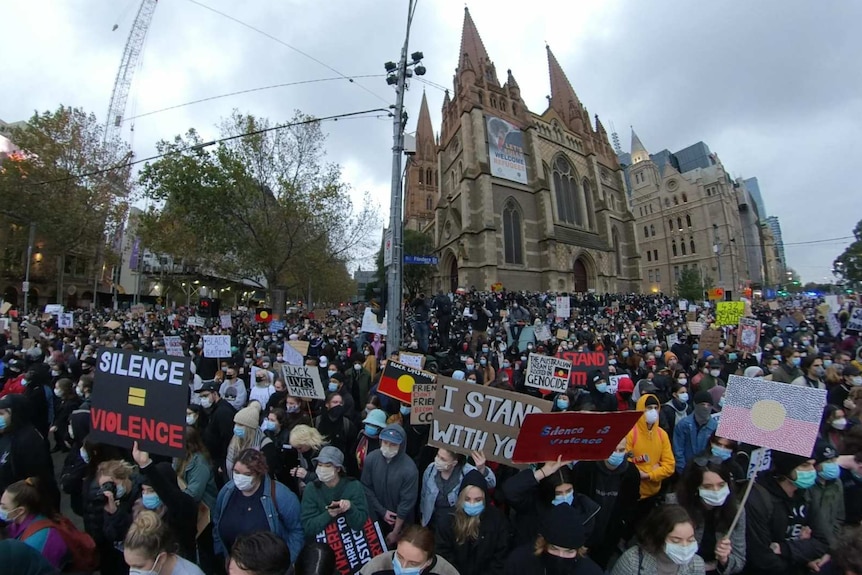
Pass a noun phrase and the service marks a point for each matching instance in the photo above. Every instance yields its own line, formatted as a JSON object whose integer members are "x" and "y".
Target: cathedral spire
{"x": 472, "y": 48}
{"x": 424, "y": 132}
{"x": 563, "y": 99}
{"x": 639, "y": 152}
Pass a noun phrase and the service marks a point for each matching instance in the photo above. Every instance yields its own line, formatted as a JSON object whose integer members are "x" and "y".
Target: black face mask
{"x": 335, "y": 412}
{"x": 558, "y": 565}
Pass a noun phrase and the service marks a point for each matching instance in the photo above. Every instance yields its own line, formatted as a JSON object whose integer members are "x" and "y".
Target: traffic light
{"x": 205, "y": 307}
{"x": 380, "y": 310}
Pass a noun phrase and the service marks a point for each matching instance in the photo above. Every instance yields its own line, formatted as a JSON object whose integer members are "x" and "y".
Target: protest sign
{"x": 138, "y": 309}
{"x": 834, "y": 325}
{"x": 468, "y": 417}
{"x": 759, "y": 460}
{"x": 683, "y": 305}
{"x": 53, "y": 309}
{"x": 748, "y": 335}
{"x": 300, "y": 346}
{"x": 370, "y": 325}
{"x": 291, "y": 356}
{"x": 140, "y": 397}
{"x": 416, "y": 360}
{"x": 830, "y": 300}
{"x": 548, "y": 373}
{"x": 583, "y": 363}
{"x": 398, "y": 379}
{"x": 672, "y": 340}
{"x": 710, "y": 340}
{"x": 195, "y": 321}
{"x": 772, "y": 414}
{"x": 217, "y": 346}
{"x": 113, "y": 324}
{"x": 562, "y": 334}
{"x": 422, "y": 402}
{"x": 542, "y": 333}
{"x": 225, "y": 321}
{"x": 578, "y": 436}
{"x": 727, "y": 313}
{"x": 855, "y": 321}
{"x": 773, "y": 305}
{"x": 174, "y": 345}
{"x": 303, "y": 381}
{"x": 65, "y": 320}
{"x": 276, "y": 326}
{"x": 352, "y": 549}
{"x": 563, "y": 308}
{"x": 4, "y": 324}
{"x": 694, "y": 327}
{"x": 5, "y": 307}
{"x": 691, "y": 316}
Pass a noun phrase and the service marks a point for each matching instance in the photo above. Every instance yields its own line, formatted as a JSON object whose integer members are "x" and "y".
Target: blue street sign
{"x": 276, "y": 326}
{"x": 422, "y": 260}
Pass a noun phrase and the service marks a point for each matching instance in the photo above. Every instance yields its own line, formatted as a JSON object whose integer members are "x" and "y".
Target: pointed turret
{"x": 639, "y": 152}
{"x": 563, "y": 98}
{"x": 424, "y": 132}
{"x": 446, "y": 100}
{"x": 512, "y": 86}
{"x": 473, "y": 60}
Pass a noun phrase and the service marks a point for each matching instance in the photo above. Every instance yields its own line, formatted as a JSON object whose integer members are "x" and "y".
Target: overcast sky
{"x": 772, "y": 86}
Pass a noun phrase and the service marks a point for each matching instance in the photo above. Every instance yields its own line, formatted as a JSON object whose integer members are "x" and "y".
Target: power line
{"x": 283, "y": 43}
{"x": 246, "y": 92}
{"x": 819, "y": 241}
{"x": 432, "y": 84}
{"x": 334, "y": 118}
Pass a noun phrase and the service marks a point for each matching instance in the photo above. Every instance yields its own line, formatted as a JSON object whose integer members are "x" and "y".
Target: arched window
{"x": 421, "y": 177}
{"x": 588, "y": 196}
{"x": 567, "y": 193}
{"x": 692, "y": 246}
{"x": 481, "y": 99}
{"x": 688, "y": 220}
{"x": 652, "y": 229}
{"x": 679, "y": 223}
{"x": 429, "y": 203}
{"x": 684, "y": 198}
{"x": 618, "y": 256}
{"x": 675, "y": 201}
{"x": 512, "y": 234}
{"x": 646, "y": 232}
{"x": 428, "y": 177}
{"x": 673, "y": 248}
{"x": 682, "y": 246}
{"x": 670, "y": 225}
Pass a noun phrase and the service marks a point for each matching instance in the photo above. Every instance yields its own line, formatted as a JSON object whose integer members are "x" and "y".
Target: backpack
{"x": 82, "y": 548}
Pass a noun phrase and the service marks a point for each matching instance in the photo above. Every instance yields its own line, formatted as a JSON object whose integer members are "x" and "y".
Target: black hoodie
{"x": 23, "y": 451}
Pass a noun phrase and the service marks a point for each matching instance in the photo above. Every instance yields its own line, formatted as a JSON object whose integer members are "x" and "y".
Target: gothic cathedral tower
{"x": 420, "y": 196}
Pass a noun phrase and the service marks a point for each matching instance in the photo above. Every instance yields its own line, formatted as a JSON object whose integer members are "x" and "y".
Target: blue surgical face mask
{"x": 372, "y": 431}
{"x": 399, "y": 570}
{"x": 797, "y": 361}
{"x": 616, "y": 459}
{"x": 563, "y": 404}
{"x": 722, "y": 453}
{"x": 474, "y": 509}
{"x": 332, "y": 387}
{"x": 829, "y": 471}
{"x": 150, "y": 500}
{"x": 602, "y": 387}
{"x": 239, "y": 431}
{"x": 404, "y": 409}
{"x": 268, "y": 425}
{"x": 3, "y": 422}
{"x": 731, "y": 356}
{"x": 805, "y": 479}
{"x": 568, "y": 498}
{"x": 483, "y": 361}
{"x": 683, "y": 397}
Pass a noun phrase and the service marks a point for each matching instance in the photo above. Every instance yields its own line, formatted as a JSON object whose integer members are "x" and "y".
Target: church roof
{"x": 637, "y": 145}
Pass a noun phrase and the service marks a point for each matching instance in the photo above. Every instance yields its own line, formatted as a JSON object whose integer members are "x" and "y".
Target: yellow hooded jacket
{"x": 651, "y": 451}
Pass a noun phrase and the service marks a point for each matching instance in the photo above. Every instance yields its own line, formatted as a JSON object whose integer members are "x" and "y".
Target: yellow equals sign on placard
{"x": 137, "y": 396}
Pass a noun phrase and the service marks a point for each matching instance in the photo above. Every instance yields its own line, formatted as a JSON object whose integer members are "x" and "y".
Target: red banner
{"x": 574, "y": 435}
{"x": 584, "y": 363}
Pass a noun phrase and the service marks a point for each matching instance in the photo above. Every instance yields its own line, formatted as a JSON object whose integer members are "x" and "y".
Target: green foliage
{"x": 415, "y": 277}
{"x": 691, "y": 285}
{"x": 263, "y": 206}
{"x": 848, "y": 266}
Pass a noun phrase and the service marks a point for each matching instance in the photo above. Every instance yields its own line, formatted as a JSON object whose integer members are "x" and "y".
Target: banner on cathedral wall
{"x": 506, "y": 150}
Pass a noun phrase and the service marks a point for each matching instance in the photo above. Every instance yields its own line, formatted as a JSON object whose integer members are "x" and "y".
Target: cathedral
{"x": 519, "y": 199}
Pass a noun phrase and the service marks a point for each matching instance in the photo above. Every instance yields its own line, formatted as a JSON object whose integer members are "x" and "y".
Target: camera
{"x": 109, "y": 486}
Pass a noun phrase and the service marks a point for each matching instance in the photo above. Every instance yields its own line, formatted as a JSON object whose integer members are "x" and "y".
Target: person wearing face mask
{"x": 651, "y": 453}
{"x": 474, "y": 538}
{"x": 27, "y": 519}
{"x": 369, "y": 437}
{"x": 833, "y": 424}
{"x": 331, "y": 495}
{"x": 262, "y": 388}
{"x": 712, "y": 377}
{"x": 827, "y": 493}
{"x": 602, "y": 398}
{"x": 296, "y": 413}
{"x": 691, "y": 435}
{"x": 677, "y": 408}
{"x": 554, "y": 550}
{"x": 161, "y": 493}
{"x": 562, "y": 402}
{"x": 119, "y": 488}
{"x": 614, "y": 484}
{"x": 237, "y": 387}
{"x": 441, "y": 483}
{"x": 414, "y": 555}
{"x": 23, "y": 451}
{"x": 391, "y": 483}
{"x": 334, "y": 425}
{"x": 788, "y": 369}
{"x": 67, "y": 402}
{"x": 783, "y": 534}
{"x": 705, "y": 491}
{"x": 253, "y": 502}
{"x": 149, "y": 549}
{"x": 813, "y": 372}
{"x": 359, "y": 380}
{"x": 666, "y": 544}
{"x": 336, "y": 385}
{"x": 840, "y": 393}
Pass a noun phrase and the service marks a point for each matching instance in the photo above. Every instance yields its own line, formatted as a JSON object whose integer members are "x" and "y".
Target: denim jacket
{"x": 430, "y": 489}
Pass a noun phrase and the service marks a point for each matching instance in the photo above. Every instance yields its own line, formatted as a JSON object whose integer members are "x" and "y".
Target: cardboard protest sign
{"x": 728, "y": 313}
{"x": 5, "y": 307}
{"x": 140, "y": 397}
{"x": 773, "y": 305}
{"x": 772, "y": 414}
{"x": 370, "y": 325}
{"x": 53, "y": 309}
{"x": 694, "y": 327}
{"x": 217, "y": 346}
{"x": 291, "y": 356}
{"x": 563, "y": 307}
{"x": 833, "y": 324}
{"x": 174, "y": 345}
{"x": 691, "y": 316}
{"x": 548, "y": 373}
{"x": 562, "y": 334}
{"x": 300, "y": 346}
{"x": 225, "y": 321}
{"x": 542, "y": 333}
{"x": 574, "y": 435}
{"x": 303, "y": 381}
{"x": 353, "y": 549}
{"x": 855, "y": 321}
{"x": 748, "y": 335}
{"x": 398, "y": 379}
{"x": 65, "y": 320}
{"x": 416, "y": 360}
{"x": 468, "y": 416}
{"x": 113, "y": 324}
{"x": 583, "y": 363}
{"x": 422, "y": 402}
{"x": 710, "y": 340}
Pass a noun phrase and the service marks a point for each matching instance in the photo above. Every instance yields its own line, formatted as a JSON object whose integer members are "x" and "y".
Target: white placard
{"x": 370, "y": 325}
{"x": 65, "y": 320}
{"x": 683, "y": 304}
{"x": 672, "y": 340}
{"x": 411, "y": 359}
{"x": 225, "y": 321}
{"x": 834, "y": 325}
{"x": 759, "y": 460}
{"x": 548, "y": 372}
{"x": 217, "y": 346}
{"x": 542, "y": 333}
{"x": 855, "y": 322}
{"x": 614, "y": 383}
{"x": 832, "y": 300}
{"x": 303, "y": 381}
{"x": 53, "y": 309}
{"x": 563, "y": 307}
{"x": 4, "y": 323}
{"x": 174, "y": 345}
{"x": 695, "y": 327}
{"x": 195, "y": 321}
{"x": 692, "y": 308}
{"x": 291, "y": 355}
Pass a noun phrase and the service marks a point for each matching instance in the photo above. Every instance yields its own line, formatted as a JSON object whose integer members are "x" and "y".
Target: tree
{"x": 261, "y": 206}
{"x": 73, "y": 211}
{"x": 848, "y": 266}
{"x": 415, "y": 276}
{"x": 691, "y": 285}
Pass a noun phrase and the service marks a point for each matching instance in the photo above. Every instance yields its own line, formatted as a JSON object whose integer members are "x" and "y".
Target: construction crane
{"x": 128, "y": 64}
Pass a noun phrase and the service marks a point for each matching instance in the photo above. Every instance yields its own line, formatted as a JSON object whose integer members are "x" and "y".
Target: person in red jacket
{"x": 15, "y": 383}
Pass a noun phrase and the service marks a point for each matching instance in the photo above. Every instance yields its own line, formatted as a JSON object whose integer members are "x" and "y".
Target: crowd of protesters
{"x": 263, "y": 472}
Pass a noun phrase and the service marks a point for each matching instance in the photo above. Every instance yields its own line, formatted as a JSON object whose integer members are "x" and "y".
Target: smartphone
{"x": 333, "y": 505}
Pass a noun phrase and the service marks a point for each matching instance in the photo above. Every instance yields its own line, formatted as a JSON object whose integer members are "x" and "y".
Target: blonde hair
{"x": 116, "y": 468}
{"x": 466, "y": 528}
{"x": 149, "y": 535}
{"x": 306, "y": 435}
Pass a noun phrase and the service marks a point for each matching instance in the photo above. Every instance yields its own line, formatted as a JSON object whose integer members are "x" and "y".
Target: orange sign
{"x": 716, "y": 294}
{"x": 497, "y": 287}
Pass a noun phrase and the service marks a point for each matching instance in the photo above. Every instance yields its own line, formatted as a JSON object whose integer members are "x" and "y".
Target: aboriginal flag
{"x": 263, "y": 315}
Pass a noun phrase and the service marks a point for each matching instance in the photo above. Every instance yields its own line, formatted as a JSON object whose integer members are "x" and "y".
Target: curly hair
{"x": 254, "y": 460}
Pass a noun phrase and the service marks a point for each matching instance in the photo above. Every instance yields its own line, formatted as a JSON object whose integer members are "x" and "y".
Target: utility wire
{"x": 334, "y": 118}
{"x": 245, "y": 92}
{"x": 283, "y": 43}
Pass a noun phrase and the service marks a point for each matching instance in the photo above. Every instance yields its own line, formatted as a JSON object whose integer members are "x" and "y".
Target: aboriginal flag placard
{"x": 772, "y": 414}
{"x": 140, "y": 397}
{"x": 263, "y": 315}
{"x": 398, "y": 379}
